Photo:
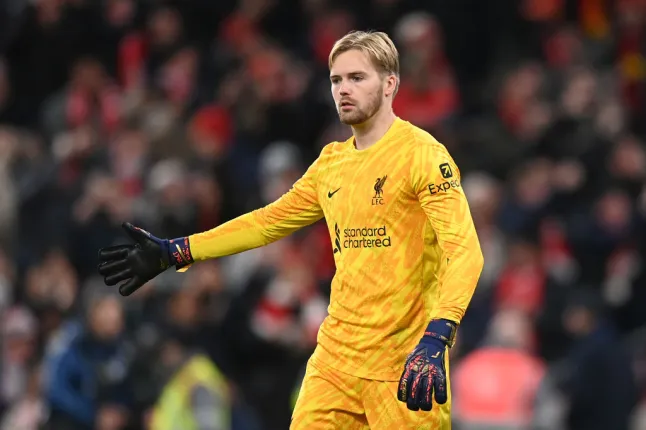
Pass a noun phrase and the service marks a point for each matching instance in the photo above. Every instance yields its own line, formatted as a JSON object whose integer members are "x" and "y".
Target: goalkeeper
{"x": 406, "y": 251}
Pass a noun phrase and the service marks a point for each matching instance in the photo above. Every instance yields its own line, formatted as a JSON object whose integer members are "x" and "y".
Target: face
{"x": 576, "y": 321}
{"x": 107, "y": 318}
{"x": 184, "y": 309}
{"x": 171, "y": 355}
{"x": 359, "y": 90}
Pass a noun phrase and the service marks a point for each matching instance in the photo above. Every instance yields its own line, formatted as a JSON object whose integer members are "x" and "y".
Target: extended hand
{"x": 135, "y": 263}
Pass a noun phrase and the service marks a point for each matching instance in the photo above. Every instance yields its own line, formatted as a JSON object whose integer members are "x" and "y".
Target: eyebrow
{"x": 349, "y": 74}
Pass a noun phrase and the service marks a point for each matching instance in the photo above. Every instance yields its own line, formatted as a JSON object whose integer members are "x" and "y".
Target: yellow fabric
{"x": 405, "y": 246}
{"x": 173, "y": 409}
{"x": 332, "y": 399}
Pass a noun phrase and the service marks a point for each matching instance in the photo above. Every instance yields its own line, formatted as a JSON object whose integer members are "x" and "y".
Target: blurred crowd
{"x": 180, "y": 115}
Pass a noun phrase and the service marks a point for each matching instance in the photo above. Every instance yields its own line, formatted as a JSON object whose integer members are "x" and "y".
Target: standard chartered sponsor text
{"x": 366, "y": 237}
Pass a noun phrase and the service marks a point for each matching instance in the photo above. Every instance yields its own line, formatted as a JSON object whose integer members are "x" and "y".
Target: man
{"x": 406, "y": 251}
{"x": 196, "y": 395}
{"x": 595, "y": 355}
{"x": 484, "y": 379}
{"x": 87, "y": 368}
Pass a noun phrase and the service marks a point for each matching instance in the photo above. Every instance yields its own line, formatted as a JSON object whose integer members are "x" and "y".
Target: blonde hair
{"x": 377, "y": 45}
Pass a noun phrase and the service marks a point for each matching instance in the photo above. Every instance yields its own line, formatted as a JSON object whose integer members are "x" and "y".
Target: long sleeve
{"x": 435, "y": 179}
{"x": 297, "y": 208}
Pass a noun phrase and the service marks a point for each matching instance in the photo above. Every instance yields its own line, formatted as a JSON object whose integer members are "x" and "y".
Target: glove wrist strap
{"x": 180, "y": 252}
{"x": 443, "y": 330}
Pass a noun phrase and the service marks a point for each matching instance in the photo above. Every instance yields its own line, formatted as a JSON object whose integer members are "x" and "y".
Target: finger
{"x": 412, "y": 404}
{"x": 415, "y": 388}
{"x": 425, "y": 395}
{"x": 413, "y": 383}
{"x": 113, "y": 266}
{"x": 439, "y": 385}
{"x": 132, "y": 285}
{"x": 137, "y": 234}
{"x": 402, "y": 389}
{"x": 117, "y": 252}
{"x": 115, "y": 278}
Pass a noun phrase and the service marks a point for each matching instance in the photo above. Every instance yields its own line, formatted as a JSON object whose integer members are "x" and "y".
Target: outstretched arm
{"x": 131, "y": 266}
{"x": 297, "y": 208}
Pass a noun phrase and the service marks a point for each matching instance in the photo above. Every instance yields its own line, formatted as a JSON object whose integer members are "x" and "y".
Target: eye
{"x": 357, "y": 78}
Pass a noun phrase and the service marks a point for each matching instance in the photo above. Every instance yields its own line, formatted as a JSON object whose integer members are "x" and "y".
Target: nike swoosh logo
{"x": 330, "y": 194}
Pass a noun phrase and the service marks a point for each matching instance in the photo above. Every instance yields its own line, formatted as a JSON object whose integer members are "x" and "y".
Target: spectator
{"x": 29, "y": 411}
{"x": 19, "y": 342}
{"x": 90, "y": 97}
{"x": 196, "y": 395}
{"x": 596, "y": 356}
{"x": 87, "y": 369}
{"x": 508, "y": 375}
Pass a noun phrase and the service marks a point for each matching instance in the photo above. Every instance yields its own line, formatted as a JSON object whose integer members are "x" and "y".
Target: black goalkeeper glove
{"x": 135, "y": 264}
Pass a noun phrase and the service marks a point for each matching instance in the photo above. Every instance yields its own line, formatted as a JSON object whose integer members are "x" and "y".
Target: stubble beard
{"x": 360, "y": 115}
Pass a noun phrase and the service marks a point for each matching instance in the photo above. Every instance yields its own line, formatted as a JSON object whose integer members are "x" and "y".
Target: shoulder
{"x": 425, "y": 150}
{"x": 336, "y": 146}
{"x": 430, "y": 157}
{"x": 421, "y": 140}
{"x": 65, "y": 339}
{"x": 333, "y": 150}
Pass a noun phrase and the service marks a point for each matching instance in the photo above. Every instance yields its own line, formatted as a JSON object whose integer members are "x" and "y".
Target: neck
{"x": 369, "y": 132}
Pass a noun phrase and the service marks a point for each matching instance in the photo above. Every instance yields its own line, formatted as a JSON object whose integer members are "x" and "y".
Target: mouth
{"x": 346, "y": 105}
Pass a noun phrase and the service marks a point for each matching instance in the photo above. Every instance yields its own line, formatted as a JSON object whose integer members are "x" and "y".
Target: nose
{"x": 343, "y": 90}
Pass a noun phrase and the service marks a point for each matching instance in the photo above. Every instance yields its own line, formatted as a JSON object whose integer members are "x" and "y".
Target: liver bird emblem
{"x": 379, "y": 186}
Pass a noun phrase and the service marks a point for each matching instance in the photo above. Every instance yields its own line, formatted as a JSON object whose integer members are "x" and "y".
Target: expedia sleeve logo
{"x": 442, "y": 187}
{"x": 363, "y": 237}
{"x": 445, "y": 169}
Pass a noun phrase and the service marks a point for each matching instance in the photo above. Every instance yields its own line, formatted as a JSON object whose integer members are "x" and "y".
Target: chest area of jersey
{"x": 355, "y": 191}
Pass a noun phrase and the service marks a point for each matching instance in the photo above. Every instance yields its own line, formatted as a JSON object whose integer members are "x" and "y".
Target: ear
{"x": 390, "y": 85}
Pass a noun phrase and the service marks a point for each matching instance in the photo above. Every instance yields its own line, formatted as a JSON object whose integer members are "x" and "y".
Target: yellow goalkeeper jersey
{"x": 404, "y": 243}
